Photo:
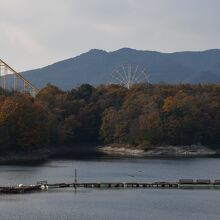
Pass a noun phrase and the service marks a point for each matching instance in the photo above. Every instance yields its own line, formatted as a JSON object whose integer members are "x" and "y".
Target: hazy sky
{"x": 34, "y": 33}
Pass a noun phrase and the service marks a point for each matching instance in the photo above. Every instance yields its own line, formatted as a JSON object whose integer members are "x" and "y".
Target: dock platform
{"x": 181, "y": 184}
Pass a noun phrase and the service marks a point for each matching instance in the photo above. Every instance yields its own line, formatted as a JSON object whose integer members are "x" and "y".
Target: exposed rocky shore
{"x": 114, "y": 150}
{"x": 159, "y": 151}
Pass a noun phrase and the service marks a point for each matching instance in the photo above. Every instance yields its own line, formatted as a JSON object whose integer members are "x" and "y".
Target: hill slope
{"x": 95, "y": 67}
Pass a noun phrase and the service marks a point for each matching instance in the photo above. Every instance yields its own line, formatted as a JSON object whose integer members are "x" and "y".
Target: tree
{"x": 24, "y": 121}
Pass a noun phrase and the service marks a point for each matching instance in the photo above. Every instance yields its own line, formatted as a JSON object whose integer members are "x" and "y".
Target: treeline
{"x": 145, "y": 115}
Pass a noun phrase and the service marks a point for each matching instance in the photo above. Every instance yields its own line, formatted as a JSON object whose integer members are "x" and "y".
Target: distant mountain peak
{"x": 125, "y": 49}
{"x": 96, "y": 51}
{"x": 96, "y": 66}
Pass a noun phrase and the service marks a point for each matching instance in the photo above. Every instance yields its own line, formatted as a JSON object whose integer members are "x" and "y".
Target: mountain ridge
{"x": 95, "y": 67}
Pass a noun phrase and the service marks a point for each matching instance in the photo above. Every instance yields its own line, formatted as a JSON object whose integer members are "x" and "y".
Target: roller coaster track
{"x": 11, "y": 79}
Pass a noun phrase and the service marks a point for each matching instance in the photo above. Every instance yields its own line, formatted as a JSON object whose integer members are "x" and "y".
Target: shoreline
{"x": 160, "y": 151}
{"x": 104, "y": 152}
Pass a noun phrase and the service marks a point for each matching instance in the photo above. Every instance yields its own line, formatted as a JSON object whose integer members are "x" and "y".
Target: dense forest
{"x": 148, "y": 115}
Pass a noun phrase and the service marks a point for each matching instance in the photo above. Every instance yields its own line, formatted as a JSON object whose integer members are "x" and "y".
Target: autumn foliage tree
{"x": 23, "y": 123}
{"x": 146, "y": 114}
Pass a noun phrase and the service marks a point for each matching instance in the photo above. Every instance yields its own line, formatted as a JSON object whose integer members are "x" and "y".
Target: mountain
{"x": 96, "y": 66}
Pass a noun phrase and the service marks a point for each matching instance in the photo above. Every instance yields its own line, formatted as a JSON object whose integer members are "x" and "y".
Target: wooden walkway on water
{"x": 181, "y": 184}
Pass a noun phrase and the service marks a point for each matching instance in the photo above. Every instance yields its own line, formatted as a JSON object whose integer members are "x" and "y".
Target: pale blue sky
{"x": 37, "y": 33}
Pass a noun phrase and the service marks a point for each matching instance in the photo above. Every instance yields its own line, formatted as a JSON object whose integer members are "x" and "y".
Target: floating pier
{"x": 18, "y": 189}
{"x": 181, "y": 184}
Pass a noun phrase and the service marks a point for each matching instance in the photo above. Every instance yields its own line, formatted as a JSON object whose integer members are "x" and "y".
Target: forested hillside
{"x": 146, "y": 114}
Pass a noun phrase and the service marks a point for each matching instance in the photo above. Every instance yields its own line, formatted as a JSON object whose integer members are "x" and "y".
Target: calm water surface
{"x": 100, "y": 204}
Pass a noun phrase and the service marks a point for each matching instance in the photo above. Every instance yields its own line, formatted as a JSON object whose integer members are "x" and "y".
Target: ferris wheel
{"x": 126, "y": 75}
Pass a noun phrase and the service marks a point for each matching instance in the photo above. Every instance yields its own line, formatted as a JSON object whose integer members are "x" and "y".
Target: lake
{"x": 95, "y": 204}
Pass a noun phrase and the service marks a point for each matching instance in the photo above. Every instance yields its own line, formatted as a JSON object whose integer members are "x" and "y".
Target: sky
{"x": 36, "y": 33}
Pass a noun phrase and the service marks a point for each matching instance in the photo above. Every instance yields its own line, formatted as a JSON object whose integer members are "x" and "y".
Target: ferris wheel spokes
{"x": 127, "y": 75}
